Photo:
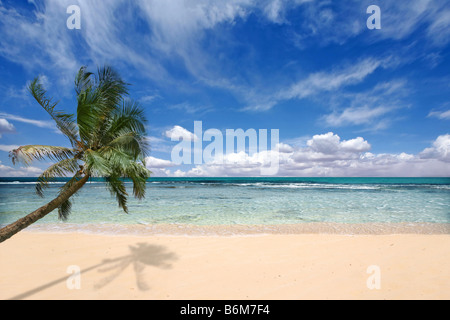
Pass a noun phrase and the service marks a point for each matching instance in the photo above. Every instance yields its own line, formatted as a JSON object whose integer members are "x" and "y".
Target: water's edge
{"x": 234, "y": 230}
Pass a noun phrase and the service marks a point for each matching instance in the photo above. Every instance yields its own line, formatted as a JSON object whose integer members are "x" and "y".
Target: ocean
{"x": 242, "y": 202}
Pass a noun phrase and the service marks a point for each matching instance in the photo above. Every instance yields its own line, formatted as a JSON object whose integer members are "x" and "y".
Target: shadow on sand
{"x": 141, "y": 255}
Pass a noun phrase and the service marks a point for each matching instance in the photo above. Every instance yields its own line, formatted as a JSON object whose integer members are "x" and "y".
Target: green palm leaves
{"x": 107, "y": 137}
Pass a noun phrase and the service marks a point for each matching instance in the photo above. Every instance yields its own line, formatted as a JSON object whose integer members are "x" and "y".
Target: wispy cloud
{"x": 172, "y": 33}
{"x": 370, "y": 107}
{"x": 40, "y": 40}
{"x": 325, "y": 23}
{"x": 443, "y": 115}
{"x": 37, "y": 123}
{"x": 190, "y": 109}
{"x": 330, "y": 81}
{"x": 322, "y": 82}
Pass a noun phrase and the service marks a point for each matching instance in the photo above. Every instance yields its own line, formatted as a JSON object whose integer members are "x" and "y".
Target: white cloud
{"x": 37, "y": 123}
{"x": 156, "y": 163}
{"x": 177, "y": 133}
{"x": 6, "y": 171}
{"x": 178, "y": 28}
{"x": 189, "y": 108}
{"x": 40, "y": 40}
{"x": 326, "y": 23}
{"x": 328, "y": 155}
{"x": 443, "y": 115}
{"x": 175, "y": 30}
{"x": 320, "y": 83}
{"x": 149, "y": 98}
{"x": 274, "y": 10}
{"x": 8, "y": 148}
{"x": 334, "y": 80}
{"x": 158, "y": 144}
{"x": 439, "y": 30}
{"x": 355, "y": 115}
{"x": 331, "y": 143}
{"x": 6, "y": 127}
{"x": 284, "y": 148}
{"x": 369, "y": 107}
{"x": 355, "y": 145}
{"x": 440, "y": 149}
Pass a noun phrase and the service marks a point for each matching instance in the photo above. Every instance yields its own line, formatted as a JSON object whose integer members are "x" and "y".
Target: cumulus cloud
{"x": 177, "y": 133}
{"x": 440, "y": 149}
{"x": 6, "y": 127}
{"x": 6, "y": 171}
{"x": 331, "y": 143}
{"x": 327, "y": 155}
{"x": 284, "y": 148}
{"x": 156, "y": 163}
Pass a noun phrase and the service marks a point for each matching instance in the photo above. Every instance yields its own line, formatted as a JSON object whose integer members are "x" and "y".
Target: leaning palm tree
{"x": 107, "y": 138}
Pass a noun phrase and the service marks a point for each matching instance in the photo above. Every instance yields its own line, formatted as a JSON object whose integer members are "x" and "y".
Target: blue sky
{"x": 348, "y": 101}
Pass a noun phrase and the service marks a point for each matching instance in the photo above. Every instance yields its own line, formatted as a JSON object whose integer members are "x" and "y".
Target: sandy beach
{"x": 36, "y": 265}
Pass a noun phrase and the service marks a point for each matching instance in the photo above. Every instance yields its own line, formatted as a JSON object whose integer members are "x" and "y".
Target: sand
{"x": 267, "y": 266}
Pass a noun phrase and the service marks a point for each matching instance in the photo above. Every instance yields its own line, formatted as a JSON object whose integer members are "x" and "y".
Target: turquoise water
{"x": 245, "y": 201}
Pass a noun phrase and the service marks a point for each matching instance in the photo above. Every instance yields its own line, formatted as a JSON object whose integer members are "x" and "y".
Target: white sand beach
{"x": 267, "y": 266}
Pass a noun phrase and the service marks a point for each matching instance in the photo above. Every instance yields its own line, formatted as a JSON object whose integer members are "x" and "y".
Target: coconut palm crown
{"x": 107, "y": 137}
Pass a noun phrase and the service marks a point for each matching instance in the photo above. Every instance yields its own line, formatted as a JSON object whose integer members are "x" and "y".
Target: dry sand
{"x": 287, "y": 267}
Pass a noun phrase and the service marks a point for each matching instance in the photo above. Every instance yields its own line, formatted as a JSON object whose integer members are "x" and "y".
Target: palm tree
{"x": 107, "y": 137}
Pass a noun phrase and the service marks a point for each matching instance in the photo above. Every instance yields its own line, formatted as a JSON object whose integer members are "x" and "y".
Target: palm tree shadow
{"x": 141, "y": 255}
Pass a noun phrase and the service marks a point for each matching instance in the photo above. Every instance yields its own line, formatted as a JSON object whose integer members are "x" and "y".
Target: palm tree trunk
{"x": 10, "y": 230}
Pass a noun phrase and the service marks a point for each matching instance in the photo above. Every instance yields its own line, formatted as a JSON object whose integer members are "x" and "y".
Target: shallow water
{"x": 245, "y": 202}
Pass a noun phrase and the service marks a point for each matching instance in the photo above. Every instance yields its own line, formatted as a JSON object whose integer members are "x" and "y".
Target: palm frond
{"x": 64, "y": 122}
{"x": 118, "y": 160}
{"x": 88, "y": 114}
{"x": 107, "y": 134}
{"x": 117, "y": 189}
{"x": 131, "y": 143}
{"x": 111, "y": 85}
{"x": 96, "y": 164}
{"x": 70, "y": 183}
{"x": 60, "y": 169}
{"x": 138, "y": 175}
{"x": 129, "y": 168}
{"x": 83, "y": 80}
{"x": 97, "y": 102}
{"x": 27, "y": 154}
{"x": 129, "y": 118}
{"x": 125, "y": 166}
{"x": 64, "y": 210}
